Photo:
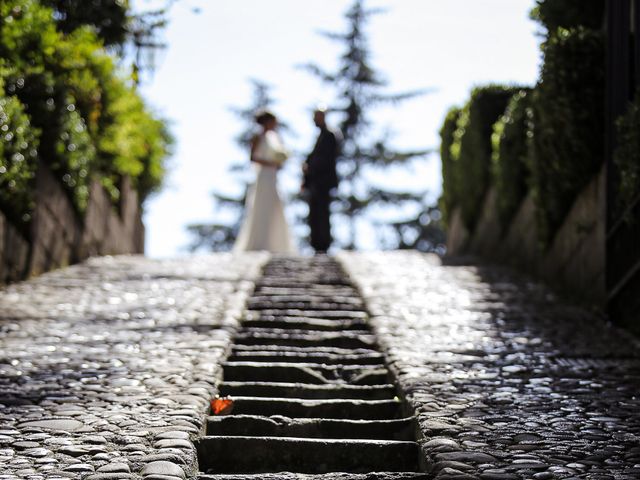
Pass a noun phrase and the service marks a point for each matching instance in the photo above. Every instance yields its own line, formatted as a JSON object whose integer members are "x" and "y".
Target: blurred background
{"x": 505, "y": 129}
{"x": 216, "y": 53}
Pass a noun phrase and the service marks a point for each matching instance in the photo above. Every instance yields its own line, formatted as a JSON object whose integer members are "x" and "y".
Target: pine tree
{"x": 359, "y": 89}
{"x": 422, "y": 232}
{"x": 221, "y": 236}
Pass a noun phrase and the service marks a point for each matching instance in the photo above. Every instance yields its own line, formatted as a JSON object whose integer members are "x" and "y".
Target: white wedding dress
{"x": 264, "y": 226}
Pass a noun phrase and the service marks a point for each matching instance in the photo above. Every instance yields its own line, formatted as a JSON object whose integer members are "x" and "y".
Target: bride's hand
{"x": 268, "y": 163}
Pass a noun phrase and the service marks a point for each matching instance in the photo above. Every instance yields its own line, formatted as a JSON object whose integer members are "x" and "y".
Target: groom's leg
{"x": 319, "y": 221}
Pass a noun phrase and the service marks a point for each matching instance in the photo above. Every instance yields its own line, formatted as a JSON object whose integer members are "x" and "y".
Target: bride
{"x": 264, "y": 226}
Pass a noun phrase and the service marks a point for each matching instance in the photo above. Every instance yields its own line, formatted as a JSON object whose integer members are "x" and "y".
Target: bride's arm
{"x": 254, "y": 157}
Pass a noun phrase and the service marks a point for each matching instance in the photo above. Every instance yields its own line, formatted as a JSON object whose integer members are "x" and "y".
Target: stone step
{"x": 364, "y": 333}
{"x": 293, "y": 323}
{"x": 311, "y": 357}
{"x": 307, "y": 301}
{"x": 354, "y": 409}
{"x": 304, "y": 350}
{"x": 309, "y": 339}
{"x": 316, "y": 373}
{"x": 308, "y": 296}
{"x": 293, "y": 312}
{"x": 285, "y": 307}
{"x": 230, "y": 454}
{"x": 313, "y": 399}
{"x": 306, "y": 290}
{"x": 280, "y": 426}
{"x": 328, "y": 476}
{"x": 305, "y": 390}
{"x": 291, "y": 282}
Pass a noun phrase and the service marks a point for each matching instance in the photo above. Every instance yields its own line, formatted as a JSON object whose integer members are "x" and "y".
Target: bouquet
{"x": 274, "y": 149}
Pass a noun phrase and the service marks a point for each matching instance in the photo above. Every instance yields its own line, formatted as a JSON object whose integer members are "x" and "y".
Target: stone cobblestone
{"x": 106, "y": 368}
{"x": 507, "y": 381}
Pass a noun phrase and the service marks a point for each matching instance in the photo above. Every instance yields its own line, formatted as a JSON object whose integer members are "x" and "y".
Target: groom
{"x": 320, "y": 177}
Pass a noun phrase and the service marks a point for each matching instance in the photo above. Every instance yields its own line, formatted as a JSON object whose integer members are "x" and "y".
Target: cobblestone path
{"x": 107, "y": 368}
{"x": 508, "y": 382}
{"x": 310, "y": 388}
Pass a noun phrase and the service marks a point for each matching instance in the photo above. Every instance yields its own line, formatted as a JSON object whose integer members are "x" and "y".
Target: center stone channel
{"x": 310, "y": 389}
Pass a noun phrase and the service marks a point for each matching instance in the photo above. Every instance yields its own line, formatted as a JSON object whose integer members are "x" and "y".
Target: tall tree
{"x": 221, "y": 235}
{"x": 359, "y": 89}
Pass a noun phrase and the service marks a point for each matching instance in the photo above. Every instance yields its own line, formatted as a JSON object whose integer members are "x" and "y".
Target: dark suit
{"x": 319, "y": 179}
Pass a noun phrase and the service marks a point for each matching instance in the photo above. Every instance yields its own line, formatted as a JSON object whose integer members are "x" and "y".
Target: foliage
{"x": 212, "y": 237}
{"x": 261, "y": 100}
{"x": 568, "y": 121}
{"x": 423, "y": 232}
{"x": 116, "y": 25}
{"x": 447, "y": 131}
{"x": 549, "y": 140}
{"x": 360, "y": 89}
{"x": 627, "y": 156}
{"x": 109, "y": 18}
{"x": 130, "y": 140}
{"x": 471, "y": 149}
{"x": 18, "y": 160}
{"x": 510, "y": 169}
{"x": 88, "y": 119}
{"x": 555, "y": 14}
{"x": 221, "y": 236}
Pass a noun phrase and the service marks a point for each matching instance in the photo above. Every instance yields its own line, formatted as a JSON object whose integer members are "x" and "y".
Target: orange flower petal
{"x": 221, "y": 405}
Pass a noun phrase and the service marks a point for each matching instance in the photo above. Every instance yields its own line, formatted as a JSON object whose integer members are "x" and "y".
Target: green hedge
{"x": 568, "y": 123}
{"x": 471, "y": 148}
{"x": 18, "y": 160}
{"x": 554, "y": 14}
{"x": 627, "y": 156}
{"x": 510, "y": 169}
{"x": 447, "y": 131}
{"x": 550, "y": 140}
{"x": 86, "y": 116}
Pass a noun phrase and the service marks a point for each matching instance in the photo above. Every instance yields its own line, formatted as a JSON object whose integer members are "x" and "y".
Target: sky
{"x": 446, "y": 46}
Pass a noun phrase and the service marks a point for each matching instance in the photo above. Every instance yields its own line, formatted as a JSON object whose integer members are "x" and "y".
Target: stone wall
{"x": 14, "y": 252}
{"x": 59, "y": 237}
{"x": 574, "y": 263}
